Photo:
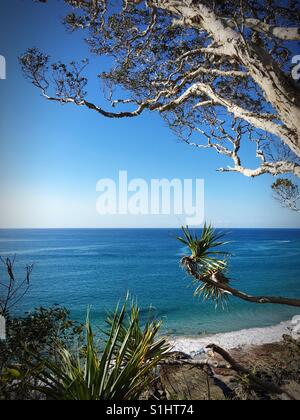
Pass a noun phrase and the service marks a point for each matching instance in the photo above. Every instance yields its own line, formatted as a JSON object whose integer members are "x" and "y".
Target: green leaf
{"x": 121, "y": 371}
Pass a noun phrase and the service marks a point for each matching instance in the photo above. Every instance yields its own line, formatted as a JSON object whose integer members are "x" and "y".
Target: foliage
{"x": 35, "y": 333}
{"x": 121, "y": 371}
{"x": 179, "y": 60}
{"x": 12, "y": 290}
{"x": 210, "y": 272}
{"x": 287, "y": 193}
{"x": 203, "y": 248}
{"x": 206, "y": 262}
{"x": 38, "y": 356}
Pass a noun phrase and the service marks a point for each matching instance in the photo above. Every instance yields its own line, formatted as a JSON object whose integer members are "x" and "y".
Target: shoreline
{"x": 196, "y": 345}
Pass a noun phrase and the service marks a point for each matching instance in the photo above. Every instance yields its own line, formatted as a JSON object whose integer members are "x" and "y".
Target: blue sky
{"x": 52, "y": 156}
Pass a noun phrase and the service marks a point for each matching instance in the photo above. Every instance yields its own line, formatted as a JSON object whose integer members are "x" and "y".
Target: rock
{"x": 292, "y": 388}
{"x": 189, "y": 383}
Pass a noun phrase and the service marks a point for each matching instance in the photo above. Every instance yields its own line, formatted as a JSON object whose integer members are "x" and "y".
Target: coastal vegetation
{"x": 219, "y": 74}
{"x": 222, "y": 75}
{"x": 209, "y": 270}
{"x": 47, "y": 355}
{"x": 120, "y": 368}
{"x": 28, "y": 338}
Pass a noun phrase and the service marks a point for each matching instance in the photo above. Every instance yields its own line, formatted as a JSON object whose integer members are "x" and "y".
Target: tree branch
{"x": 262, "y": 121}
{"x": 272, "y": 168}
{"x": 278, "y": 89}
{"x": 279, "y": 32}
{"x": 190, "y": 75}
{"x": 191, "y": 267}
{"x": 264, "y": 385}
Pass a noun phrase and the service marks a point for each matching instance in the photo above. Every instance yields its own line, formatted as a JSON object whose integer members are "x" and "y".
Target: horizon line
{"x": 145, "y": 228}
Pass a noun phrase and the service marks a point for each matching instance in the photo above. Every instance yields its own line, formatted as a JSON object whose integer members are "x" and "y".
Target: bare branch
{"x": 263, "y": 122}
{"x": 224, "y": 56}
{"x": 255, "y": 380}
{"x": 14, "y": 290}
{"x": 272, "y": 168}
{"x": 278, "y": 90}
{"x": 282, "y": 33}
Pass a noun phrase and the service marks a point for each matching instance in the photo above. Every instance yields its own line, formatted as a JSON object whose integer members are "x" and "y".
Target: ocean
{"x": 81, "y": 268}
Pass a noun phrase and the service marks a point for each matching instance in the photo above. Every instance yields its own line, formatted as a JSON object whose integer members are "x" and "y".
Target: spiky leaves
{"x": 208, "y": 270}
{"x": 203, "y": 249}
{"x": 121, "y": 371}
{"x": 206, "y": 263}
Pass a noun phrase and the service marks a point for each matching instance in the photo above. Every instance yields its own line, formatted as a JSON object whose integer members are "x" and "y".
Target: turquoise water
{"x": 81, "y": 268}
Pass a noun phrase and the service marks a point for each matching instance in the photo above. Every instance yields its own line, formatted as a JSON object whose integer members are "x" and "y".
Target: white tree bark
{"x": 279, "y": 32}
{"x": 230, "y": 55}
{"x": 273, "y": 168}
{"x": 263, "y": 122}
{"x": 278, "y": 89}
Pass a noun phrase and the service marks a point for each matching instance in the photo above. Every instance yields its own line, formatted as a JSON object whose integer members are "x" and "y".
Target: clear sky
{"x": 52, "y": 156}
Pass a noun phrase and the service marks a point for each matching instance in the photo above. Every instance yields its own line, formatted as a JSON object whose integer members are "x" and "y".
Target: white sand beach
{"x": 248, "y": 337}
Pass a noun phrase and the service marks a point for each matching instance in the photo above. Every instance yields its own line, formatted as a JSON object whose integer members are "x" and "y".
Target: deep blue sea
{"x": 81, "y": 268}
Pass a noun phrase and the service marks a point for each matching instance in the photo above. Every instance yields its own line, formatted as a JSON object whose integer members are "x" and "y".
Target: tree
{"x": 12, "y": 290}
{"x": 29, "y": 337}
{"x": 218, "y": 72}
{"x": 208, "y": 266}
{"x": 287, "y": 193}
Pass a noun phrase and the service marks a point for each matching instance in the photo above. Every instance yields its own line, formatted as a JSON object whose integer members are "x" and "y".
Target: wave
{"x": 53, "y": 249}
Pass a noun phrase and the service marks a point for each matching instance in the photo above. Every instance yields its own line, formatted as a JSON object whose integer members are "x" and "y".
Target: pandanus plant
{"x": 121, "y": 371}
{"x": 207, "y": 264}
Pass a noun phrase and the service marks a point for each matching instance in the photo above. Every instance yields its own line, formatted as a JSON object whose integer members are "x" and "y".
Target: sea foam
{"x": 247, "y": 337}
